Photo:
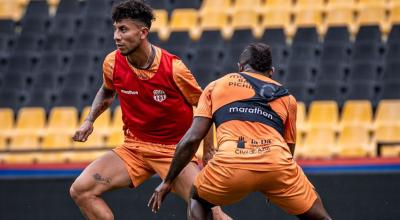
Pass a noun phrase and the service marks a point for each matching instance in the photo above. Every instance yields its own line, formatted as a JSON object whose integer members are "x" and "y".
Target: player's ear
{"x": 271, "y": 71}
{"x": 240, "y": 67}
{"x": 144, "y": 31}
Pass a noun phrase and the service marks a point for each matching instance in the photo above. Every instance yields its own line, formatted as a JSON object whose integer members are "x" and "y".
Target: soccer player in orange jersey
{"x": 256, "y": 132}
{"x": 156, "y": 93}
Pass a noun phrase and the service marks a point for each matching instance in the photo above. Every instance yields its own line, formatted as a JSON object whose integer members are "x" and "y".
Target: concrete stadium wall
{"x": 346, "y": 196}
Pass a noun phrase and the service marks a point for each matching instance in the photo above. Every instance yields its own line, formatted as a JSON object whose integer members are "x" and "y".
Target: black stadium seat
{"x": 210, "y": 38}
{"x": 363, "y": 71}
{"x": 184, "y": 3}
{"x": 369, "y": 34}
{"x": 331, "y": 72}
{"x": 68, "y": 7}
{"x": 391, "y": 71}
{"x": 329, "y": 91}
{"x": 36, "y": 9}
{"x": 337, "y": 35}
{"x": 394, "y": 35}
{"x": 274, "y": 37}
{"x": 241, "y": 38}
{"x": 308, "y": 36}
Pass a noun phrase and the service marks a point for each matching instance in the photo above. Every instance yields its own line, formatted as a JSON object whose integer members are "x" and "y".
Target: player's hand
{"x": 158, "y": 196}
{"x": 208, "y": 155}
{"x": 83, "y": 131}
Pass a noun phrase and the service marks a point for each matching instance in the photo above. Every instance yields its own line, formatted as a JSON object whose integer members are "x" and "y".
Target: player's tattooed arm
{"x": 101, "y": 102}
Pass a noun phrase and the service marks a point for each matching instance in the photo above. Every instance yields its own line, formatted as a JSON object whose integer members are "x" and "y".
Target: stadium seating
{"x": 354, "y": 141}
{"x": 53, "y": 141}
{"x": 319, "y": 143}
{"x": 339, "y": 58}
{"x": 357, "y": 113}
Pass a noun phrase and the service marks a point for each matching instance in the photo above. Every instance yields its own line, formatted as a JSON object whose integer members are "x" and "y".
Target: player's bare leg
{"x": 183, "y": 187}
{"x": 104, "y": 174}
{"x": 316, "y": 212}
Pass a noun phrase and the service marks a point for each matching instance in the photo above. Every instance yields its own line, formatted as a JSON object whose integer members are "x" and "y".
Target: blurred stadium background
{"x": 339, "y": 58}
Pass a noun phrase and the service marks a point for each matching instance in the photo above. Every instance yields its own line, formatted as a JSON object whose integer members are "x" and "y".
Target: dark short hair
{"x": 133, "y": 9}
{"x": 258, "y": 56}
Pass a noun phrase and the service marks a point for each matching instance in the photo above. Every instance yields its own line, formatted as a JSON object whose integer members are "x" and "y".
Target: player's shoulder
{"x": 110, "y": 56}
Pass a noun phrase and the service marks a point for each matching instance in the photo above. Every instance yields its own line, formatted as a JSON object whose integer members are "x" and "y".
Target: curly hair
{"x": 135, "y": 10}
{"x": 258, "y": 56}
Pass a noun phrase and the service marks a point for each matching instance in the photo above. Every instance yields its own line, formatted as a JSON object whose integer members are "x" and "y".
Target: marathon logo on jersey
{"x": 159, "y": 95}
{"x": 250, "y": 110}
{"x": 130, "y": 92}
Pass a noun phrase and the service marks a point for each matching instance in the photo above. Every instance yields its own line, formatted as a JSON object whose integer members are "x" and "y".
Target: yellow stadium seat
{"x": 56, "y": 141}
{"x": 102, "y": 124}
{"x": 301, "y": 123}
{"x": 160, "y": 24}
{"x": 393, "y": 19}
{"x": 350, "y": 4}
{"x": 277, "y": 18}
{"x": 388, "y": 133}
{"x": 371, "y": 15}
{"x": 320, "y": 142}
{"x": 278, "y": 4}
{"x": 10, "y": 10}
{"x": 24, "y": 142}
{"x": 393, "y": 3}
{"x": 242, "y": 19}
{"x": 215, "y": 5}
{"x": 390, "y": 151}
{"x": 247, "y": 4}
{"x": 115, "y": 139}
{"x": 51, "y": 157}
{"x": 117, "y": 122}
{"x": 62, "y": 120}
{"x": 19, "y": 158}
{"x": 95, "y": 140}
{"x": 357, "y": 113}
{"x": 31, "y": 120}
{"x": 299, "y": 149}
{"x": 213, "y": 20}
{"x": 354, "y": 141}
{"x": 339, "y": 16}
{"x": 387, "y": 113}
{"x": 3, "y": 142}
{"x": 161, "y": 20}
{"x": 323, "y": 114}
{"x": 83, "y": 156}
{"x": 308, "y": 18}
{"x": 309, "y": 4}
{"x": 363, "y": 3}
{"x": 7, "y": 121}
{"x": 183, "y": 19}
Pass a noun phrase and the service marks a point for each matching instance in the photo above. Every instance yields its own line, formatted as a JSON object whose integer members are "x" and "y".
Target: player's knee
{"x": 78, "y": 191}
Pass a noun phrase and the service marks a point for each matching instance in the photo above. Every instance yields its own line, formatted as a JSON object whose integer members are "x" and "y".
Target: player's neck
{"x": 143, "y": 57}
{"x": 248, "y": 69}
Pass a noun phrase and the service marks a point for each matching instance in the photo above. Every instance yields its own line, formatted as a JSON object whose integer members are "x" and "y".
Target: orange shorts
{"x": 289, "y": 188}
{"x": 144, "y": 159}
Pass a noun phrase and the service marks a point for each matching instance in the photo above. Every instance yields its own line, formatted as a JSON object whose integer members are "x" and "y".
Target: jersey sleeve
{"x": 204, "y": 108}
{"x": 290, "y": 124}
{"x": 186, "y": 82}
{"x": 108, "y": 69}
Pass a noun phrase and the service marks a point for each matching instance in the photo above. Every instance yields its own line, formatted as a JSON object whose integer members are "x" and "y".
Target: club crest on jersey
{"x": 159, "y": 95}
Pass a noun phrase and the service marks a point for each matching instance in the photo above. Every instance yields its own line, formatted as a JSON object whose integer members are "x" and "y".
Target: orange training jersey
{"x": 248, "y": 144}
{"x": 181, "y": 74}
